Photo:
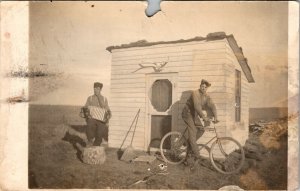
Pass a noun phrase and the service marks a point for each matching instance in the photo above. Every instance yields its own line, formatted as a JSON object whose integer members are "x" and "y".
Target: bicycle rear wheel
{"x": 227, "y": 155}
{"x": 173, "y": 148}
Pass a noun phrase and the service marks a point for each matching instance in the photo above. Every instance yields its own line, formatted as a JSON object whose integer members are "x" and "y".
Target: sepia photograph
{"x": 191, "y": 95}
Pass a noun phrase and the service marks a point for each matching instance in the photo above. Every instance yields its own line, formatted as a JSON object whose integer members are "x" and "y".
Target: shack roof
{"x": 210, "y": 37}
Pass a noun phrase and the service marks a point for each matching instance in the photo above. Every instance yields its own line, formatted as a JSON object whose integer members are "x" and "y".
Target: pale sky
{"x": 72, "y": 37}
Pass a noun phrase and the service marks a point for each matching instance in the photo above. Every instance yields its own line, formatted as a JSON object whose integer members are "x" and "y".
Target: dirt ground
{"x": 54, "y": 163}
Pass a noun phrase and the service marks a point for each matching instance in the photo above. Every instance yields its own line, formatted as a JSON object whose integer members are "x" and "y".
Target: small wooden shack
{"x": 158, "y": 77}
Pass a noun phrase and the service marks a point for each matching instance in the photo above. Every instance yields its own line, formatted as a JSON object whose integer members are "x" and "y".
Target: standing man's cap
{"x": 98, "y": 84}
{"x": 205, "y": 82}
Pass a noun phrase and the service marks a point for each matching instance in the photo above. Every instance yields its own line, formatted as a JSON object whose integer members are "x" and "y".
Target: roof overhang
{"x": 238, "y": 52}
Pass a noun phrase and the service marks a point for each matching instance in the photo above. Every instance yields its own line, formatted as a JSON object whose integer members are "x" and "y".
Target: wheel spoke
{"x": 172, "y": 148}
{"x": 227, "y": 155}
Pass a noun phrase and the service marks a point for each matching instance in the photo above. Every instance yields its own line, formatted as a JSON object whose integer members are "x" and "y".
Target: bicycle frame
{"x": 206, "y": 144}
{"x": 180, "y": 150}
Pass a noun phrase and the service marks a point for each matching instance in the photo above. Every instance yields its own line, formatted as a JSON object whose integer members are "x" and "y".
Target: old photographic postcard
{"x": 192, "y": 95}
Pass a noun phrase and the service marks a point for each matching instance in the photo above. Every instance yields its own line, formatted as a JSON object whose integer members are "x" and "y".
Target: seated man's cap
{"x": 98, "y": 84}
{"x": 205, "y": 82}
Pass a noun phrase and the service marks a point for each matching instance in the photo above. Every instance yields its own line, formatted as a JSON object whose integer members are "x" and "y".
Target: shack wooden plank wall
{"x": 190, "y": 62}
{"x": 238, "y": 130}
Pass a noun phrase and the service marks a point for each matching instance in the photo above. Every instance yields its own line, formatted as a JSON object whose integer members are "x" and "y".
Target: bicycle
{"x": 226, "y": 154}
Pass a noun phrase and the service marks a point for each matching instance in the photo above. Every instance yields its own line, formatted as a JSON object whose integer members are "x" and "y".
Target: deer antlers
{"x": 157, "y": 66}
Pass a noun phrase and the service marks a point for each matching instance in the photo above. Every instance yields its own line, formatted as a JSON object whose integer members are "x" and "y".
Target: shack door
{"x": 161, "y": 108}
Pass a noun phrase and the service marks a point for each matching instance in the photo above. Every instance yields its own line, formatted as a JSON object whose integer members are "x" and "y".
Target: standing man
{"x": 98, "y": 117}
{"x": 199, "y": 104}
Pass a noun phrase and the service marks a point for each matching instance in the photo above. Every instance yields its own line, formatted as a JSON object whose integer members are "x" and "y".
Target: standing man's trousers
{"x": 96, "y": 129}
{"x": 194, "y": 132}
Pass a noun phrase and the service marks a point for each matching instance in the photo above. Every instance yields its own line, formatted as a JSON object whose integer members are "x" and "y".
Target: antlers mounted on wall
{"x": 157, "y": 66}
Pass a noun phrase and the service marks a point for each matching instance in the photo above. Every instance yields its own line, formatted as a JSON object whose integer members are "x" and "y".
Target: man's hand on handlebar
{"x": 206, "y": 119}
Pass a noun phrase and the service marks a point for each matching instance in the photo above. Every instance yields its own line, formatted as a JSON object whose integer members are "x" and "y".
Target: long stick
{"x": 138, "y": 114}
{"x": 128, "y": 130}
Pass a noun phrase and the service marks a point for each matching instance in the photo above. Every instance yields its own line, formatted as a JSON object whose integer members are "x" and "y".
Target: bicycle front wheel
{"x": 227, "y": 155}
{"x": 173, "y": 148}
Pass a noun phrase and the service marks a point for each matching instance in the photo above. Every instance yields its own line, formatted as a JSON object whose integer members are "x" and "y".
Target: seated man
{"x": 199, "y": 104}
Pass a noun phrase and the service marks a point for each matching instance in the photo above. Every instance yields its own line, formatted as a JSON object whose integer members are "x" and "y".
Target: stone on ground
{"x": 93, "y": 155}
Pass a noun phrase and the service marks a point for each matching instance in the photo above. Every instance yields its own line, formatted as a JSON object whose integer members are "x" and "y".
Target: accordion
{"x": 84, "y": 112}
{"x": 98, "y": 113}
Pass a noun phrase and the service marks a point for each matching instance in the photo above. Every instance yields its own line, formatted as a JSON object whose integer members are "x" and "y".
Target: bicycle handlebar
{"x": 214, "y": 121}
